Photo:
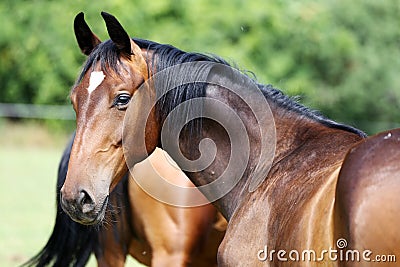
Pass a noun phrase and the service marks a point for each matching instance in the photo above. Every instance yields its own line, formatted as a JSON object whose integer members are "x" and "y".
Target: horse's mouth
{"x": 91, "y": 218}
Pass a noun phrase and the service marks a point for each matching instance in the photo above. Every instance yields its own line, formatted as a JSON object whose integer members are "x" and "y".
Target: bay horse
{"x": 132, "y": 227}
{"x": 325, "y": 194}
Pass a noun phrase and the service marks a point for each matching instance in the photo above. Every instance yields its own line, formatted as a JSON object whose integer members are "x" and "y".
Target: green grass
{"x": 29, "y": 157}
{"x": 27, "y": 178}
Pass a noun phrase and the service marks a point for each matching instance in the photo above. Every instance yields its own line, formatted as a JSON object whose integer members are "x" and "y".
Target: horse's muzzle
{"x": 82, "y": 207}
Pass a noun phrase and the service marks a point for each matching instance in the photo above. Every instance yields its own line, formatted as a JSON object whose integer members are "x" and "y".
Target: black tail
{"x": 71, "y": 243}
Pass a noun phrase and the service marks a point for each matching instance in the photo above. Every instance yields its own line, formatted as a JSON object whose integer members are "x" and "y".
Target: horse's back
{"x": 368, "y": 195}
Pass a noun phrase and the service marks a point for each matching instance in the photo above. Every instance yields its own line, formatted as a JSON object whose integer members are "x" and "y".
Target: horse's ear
{"x": 87, "y": 40}
{"x": 118, "y": 35}
{"x": 125, "y": 45}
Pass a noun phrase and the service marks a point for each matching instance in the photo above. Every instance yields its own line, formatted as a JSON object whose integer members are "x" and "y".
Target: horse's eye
{"x": 122, "y": 100}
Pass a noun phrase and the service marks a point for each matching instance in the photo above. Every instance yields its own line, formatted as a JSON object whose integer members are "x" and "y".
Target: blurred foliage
{"x": 342, "y": 57}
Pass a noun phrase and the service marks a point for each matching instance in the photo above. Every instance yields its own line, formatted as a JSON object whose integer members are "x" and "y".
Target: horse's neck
{"x": 213, "y": 131}
{"x": 293, "y": 131}
{"x": 289, "y": 133}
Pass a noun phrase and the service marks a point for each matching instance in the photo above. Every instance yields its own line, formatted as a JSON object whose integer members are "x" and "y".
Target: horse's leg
{"x": 175, "y": 234}
{"x": 368, "y": 200}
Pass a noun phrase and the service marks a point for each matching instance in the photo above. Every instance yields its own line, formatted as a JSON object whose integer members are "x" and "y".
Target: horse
{"x": 129, "y": 228}
{"x": 312, "y": 191}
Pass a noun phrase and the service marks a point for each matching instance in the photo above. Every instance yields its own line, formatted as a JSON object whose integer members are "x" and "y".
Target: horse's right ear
{"x": 87, "y": 40}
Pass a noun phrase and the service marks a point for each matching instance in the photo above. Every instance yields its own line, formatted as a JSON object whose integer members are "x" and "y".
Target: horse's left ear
{"x": 125, "y": 45}
{"x": 119, "y": 36}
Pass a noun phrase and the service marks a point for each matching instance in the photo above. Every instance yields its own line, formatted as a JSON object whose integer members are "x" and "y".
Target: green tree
{"x": 341, "y": 57}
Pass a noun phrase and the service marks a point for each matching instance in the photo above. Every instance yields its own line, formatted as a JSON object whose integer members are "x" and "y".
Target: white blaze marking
{"x": 96, "y": 78}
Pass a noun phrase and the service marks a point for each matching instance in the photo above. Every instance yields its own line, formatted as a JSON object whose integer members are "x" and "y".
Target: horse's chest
{"x": 246, "y": 235}
{"x": 258, "y": 231}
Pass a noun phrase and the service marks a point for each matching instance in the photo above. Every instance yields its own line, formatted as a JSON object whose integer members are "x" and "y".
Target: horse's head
{"x": 114, "y": 70}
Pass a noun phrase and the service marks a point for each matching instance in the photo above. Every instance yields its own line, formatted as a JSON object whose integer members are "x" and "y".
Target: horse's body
{"x": 152, "y": 232}
{"x": 326, "y": 182}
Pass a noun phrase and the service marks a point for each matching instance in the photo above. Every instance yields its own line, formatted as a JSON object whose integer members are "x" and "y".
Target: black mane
{"x": 292, "y": 104}
{"x": 107, "y": 56}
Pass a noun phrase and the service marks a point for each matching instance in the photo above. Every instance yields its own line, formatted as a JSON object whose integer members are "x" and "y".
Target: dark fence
{"x": 58, "y": 112}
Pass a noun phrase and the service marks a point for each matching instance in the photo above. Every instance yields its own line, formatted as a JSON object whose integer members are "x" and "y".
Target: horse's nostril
{"x": 86, "y": 202}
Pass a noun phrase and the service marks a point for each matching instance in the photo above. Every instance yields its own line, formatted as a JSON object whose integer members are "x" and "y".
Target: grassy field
{"x": 29, "y": 157}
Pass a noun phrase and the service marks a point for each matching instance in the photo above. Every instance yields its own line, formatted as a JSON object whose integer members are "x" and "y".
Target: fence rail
{"x": 66, "y": 112}
{"x": 33, "y": 111}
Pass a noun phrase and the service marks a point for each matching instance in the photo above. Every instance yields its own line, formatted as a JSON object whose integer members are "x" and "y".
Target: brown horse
{"x": 153, "y": 232}
{"x": 312, "y": 191}
{"x": 173, "y": 236}
{"x": 132, "y": 227}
